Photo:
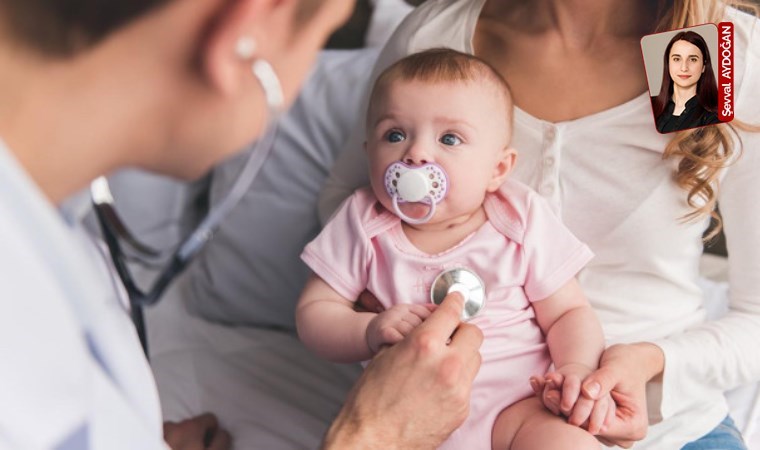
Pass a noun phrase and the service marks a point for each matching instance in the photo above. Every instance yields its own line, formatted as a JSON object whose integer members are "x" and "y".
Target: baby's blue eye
{"x": 450, "y": 139}
{"x": 395, "y": 136}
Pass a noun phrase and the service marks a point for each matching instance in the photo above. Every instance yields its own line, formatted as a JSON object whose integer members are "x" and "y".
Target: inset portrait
{"x": 681, "y": 68}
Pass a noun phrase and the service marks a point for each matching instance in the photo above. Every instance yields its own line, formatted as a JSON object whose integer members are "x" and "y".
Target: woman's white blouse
{"x": 73, "y": 373}
{"x": 605, "y": 175}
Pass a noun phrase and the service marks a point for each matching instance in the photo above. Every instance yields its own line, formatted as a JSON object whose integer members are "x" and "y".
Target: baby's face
{"x": 461, "y": 126}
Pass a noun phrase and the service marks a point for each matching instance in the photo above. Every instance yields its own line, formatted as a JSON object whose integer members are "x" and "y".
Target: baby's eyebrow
{"x": 453, "y": 121}
{"x": 383, "y": 118}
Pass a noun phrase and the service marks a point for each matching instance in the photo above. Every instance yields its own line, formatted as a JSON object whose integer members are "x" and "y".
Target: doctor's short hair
{"x": 64, "y": 27}
{"x": 444, "y": 65}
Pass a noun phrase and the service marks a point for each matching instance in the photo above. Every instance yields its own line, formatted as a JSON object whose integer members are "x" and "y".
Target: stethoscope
{"x": 116, "y": 234}
{"x": 464, "y": 281}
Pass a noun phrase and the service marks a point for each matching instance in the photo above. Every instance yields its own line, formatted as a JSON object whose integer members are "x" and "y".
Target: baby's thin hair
{"x": 442, "y": 65}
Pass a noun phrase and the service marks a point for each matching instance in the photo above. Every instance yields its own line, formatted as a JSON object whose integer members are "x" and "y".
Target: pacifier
{"x": 425, "y": 184}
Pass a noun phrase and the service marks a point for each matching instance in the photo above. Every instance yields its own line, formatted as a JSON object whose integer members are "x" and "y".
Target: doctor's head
{"x": 446, "y": 109}
{"x": 171, "y": 76}
{"x": 687, "y": 66}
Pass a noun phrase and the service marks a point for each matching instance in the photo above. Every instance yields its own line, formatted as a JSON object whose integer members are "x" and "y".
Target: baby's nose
{"x": 416, "y": 155}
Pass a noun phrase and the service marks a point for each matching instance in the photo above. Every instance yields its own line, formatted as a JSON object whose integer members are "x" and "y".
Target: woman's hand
{"x": 414, "y": 394}
{"x": 391, "y": 326}
{"x": 560, "y": 392}
{"x": 197, "y": 433}
{"x": 624, "y": 371}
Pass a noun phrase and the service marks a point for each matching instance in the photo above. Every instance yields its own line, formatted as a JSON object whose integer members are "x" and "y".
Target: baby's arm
{"x": 576, "y": 343}
{"x": 329, "y": 326}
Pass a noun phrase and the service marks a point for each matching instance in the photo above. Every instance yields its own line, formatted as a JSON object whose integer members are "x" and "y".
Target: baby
{"x": 438, "y": 135}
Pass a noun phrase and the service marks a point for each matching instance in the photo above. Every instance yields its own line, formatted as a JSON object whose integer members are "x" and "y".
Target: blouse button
{"x": 549, "y": 161}
{"x": 551, "y": 133}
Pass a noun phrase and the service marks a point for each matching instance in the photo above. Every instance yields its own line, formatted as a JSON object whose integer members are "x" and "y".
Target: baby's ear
{"x": 503, "y": 167}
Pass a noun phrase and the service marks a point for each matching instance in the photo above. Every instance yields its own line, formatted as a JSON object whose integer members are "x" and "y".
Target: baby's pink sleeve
{"x": 553, "y": 254}
{"x": 340, "y": 254}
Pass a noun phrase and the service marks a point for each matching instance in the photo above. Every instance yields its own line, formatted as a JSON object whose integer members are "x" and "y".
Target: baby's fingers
{"x": 552, "y": 396}
{"x": 390, "y": 336}
{"x": 551, "y": 400}
{"x": 571, "y": 389}
{"x": 406, "y": 325}
{"x": 554, "y": 380}
{"x": 581, "y": 411}
{"x": 537, "y": 383}
{"x": 422, "y": 311}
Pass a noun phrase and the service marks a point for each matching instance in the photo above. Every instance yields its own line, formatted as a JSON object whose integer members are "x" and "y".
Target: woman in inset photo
{"x": 689, "y": 94}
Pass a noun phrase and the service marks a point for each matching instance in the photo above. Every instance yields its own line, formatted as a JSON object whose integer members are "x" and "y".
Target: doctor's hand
{"x": 414, "y": 394}
{"x": 197, "y": 433}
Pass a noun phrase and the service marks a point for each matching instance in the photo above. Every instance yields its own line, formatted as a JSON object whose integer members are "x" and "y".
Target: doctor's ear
{"x": 504, "y": 166}
{"x": 232, "y": 41}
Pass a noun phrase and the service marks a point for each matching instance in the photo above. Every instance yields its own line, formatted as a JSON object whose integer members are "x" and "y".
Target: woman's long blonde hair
{"x": 703, "y": 152}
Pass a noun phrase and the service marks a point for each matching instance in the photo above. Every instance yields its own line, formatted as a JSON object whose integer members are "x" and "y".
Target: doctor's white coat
{"x": 72, "y": 373}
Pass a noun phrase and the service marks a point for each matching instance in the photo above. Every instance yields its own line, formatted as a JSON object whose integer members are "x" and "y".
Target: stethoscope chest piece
{"x": 464, "y": 281}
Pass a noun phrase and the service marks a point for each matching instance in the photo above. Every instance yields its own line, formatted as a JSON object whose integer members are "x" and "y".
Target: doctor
{"x": 91, "y": 86}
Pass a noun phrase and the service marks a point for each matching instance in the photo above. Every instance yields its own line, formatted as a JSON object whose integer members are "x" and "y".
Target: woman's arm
{"x": 722, "y": 353}
{"x": 717, "y": 355}
{"x": 328, "y": 325}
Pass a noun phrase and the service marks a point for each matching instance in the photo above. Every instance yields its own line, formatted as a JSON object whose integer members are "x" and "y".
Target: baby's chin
{"x": 414, "y": 210}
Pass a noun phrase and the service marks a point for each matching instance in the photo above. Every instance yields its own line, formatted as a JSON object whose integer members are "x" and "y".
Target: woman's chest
{"x": 556, "y": 83}
{"x": 600, "y": 173}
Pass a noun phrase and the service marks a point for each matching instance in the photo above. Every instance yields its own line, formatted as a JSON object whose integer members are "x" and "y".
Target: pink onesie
{"x": 523, "y": 254}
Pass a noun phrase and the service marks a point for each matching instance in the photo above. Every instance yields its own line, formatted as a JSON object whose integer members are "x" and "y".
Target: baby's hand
{"x": 561, "y": 394}
{"x": 391, "y": 325}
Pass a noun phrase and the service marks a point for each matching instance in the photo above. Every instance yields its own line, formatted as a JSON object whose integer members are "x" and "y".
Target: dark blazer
{"x": 694, "y": 115}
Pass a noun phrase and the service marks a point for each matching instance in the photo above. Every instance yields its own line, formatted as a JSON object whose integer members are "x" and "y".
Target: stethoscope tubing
{"x": 112, "y": 227}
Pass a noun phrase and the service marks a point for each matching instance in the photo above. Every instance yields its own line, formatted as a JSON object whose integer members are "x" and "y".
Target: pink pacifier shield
{"x": 416, "y": 184}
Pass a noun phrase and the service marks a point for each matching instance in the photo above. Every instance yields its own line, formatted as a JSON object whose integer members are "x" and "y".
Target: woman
{"x": 583, "y": 127}
{"x": 88, "y": 87}
{"x": 688, "y": 97}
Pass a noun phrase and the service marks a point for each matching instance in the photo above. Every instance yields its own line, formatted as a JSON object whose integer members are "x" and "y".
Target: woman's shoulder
{"x": 438, "y": 23}
{"x": 436, "y": 10}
